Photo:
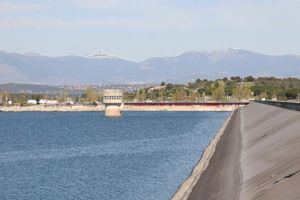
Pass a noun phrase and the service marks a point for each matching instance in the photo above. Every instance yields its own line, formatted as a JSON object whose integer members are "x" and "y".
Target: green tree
{"x": 241, "y": 91}
{"x": 141, "y": 95}
{"x": 218, "y": 92}
{"x": 291, "y": 93}
{"x": 91, "y": 95}
{"x": 249, "y": 79}
{"x": 179, "y": 94}
{"x": 236, "y": 78}
{"x": 193, "y": 96}
{"x": 225, "y": 79}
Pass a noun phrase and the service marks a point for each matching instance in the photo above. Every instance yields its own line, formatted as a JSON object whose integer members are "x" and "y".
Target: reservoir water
{"x": 84, "y": 155}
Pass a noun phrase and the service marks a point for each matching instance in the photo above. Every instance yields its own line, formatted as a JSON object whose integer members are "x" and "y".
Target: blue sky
{"x": 141, "y": 29}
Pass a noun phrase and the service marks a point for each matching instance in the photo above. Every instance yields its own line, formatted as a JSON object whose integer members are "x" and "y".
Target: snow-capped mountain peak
{"x": 194, "y": 53}
{"x": 101, "y": 55}
{"x": 228, "y": 51}
{"x": 216, "y": 55}
{"x": 33, "y": 54}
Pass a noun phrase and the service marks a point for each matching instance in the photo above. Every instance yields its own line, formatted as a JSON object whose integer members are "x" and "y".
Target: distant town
{"x": 227, "y": 89}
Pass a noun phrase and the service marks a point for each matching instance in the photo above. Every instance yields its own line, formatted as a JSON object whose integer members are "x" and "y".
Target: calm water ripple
{"x": 142, "y": 155}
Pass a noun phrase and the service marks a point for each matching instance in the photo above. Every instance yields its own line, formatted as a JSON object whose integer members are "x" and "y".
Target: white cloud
{"x": 103, "y": 22}
{"x": 96, "y": 4}
{"x": 140, "y": 14}
{"x": 109, "y": 22}
{"x": 27, "y": 22}
{"x": 116, "y": 4}
{"x": 159, "y": 15}
{"x": 280, "y": 15}
{"x": 9, "y": 6}
{"x": 56, "y": 22}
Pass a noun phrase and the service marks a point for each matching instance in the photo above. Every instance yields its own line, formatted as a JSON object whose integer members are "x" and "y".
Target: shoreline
{"x": 100, "y": 108}
{"x": 179, "y": 108}
{"x": 187, "y": 187}
{"x": 43, "y": 108}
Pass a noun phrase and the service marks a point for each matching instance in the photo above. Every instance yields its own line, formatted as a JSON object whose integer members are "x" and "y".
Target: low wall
{"x": 283, "y": 104}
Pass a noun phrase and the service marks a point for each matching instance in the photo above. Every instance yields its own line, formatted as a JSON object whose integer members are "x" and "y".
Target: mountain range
{"x": 105, "y": 68}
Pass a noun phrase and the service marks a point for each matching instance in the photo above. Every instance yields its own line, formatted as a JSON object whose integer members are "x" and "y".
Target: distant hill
{"x": 103, "y": 68}
{"x": 60, "y": 89}
{"x": 29, "y": 88}
{"x": 220, "y": 63}
{"x": 23, "y": 68}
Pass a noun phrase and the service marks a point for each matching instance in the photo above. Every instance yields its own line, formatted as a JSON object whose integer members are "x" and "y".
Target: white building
{"x": 31, "y": 101}
{"x": 42, "y": 101}
{"x": 48, "y": 102}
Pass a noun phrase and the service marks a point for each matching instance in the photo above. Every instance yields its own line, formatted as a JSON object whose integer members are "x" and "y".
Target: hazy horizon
{"x": 137, "y": 30}
{"x": 90, "y": 54}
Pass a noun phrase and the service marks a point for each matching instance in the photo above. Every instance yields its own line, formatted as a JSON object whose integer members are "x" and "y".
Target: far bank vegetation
{"x": 221, "y": 90}
{"x": 201, "y": 90}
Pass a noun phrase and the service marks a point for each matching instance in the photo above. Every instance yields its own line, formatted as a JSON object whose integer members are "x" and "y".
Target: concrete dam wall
{"x": 257, "y": 157}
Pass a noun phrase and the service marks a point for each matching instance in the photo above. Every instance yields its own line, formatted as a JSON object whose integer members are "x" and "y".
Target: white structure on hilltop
{"x": 112, "y": 99}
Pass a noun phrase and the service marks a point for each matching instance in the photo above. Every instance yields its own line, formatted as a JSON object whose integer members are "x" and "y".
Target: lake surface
{"x": 84, "y": 155}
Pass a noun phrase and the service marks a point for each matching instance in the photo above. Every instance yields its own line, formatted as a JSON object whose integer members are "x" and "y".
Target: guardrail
{"x": 282, "y": 104}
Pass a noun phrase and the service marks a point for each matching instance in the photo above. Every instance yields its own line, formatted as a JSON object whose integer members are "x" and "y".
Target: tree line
{"x": 226, "y": 89}
{"x": 90, "y": 96}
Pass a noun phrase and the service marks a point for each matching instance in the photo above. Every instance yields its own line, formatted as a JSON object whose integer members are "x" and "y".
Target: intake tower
{"x": 112, "y": 99}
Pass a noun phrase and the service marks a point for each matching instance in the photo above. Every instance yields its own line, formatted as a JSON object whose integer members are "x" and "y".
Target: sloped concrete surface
{"x": 258, "y": 157}
{"x": 222, "y": 178}
{"x": 270, "y": 159}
